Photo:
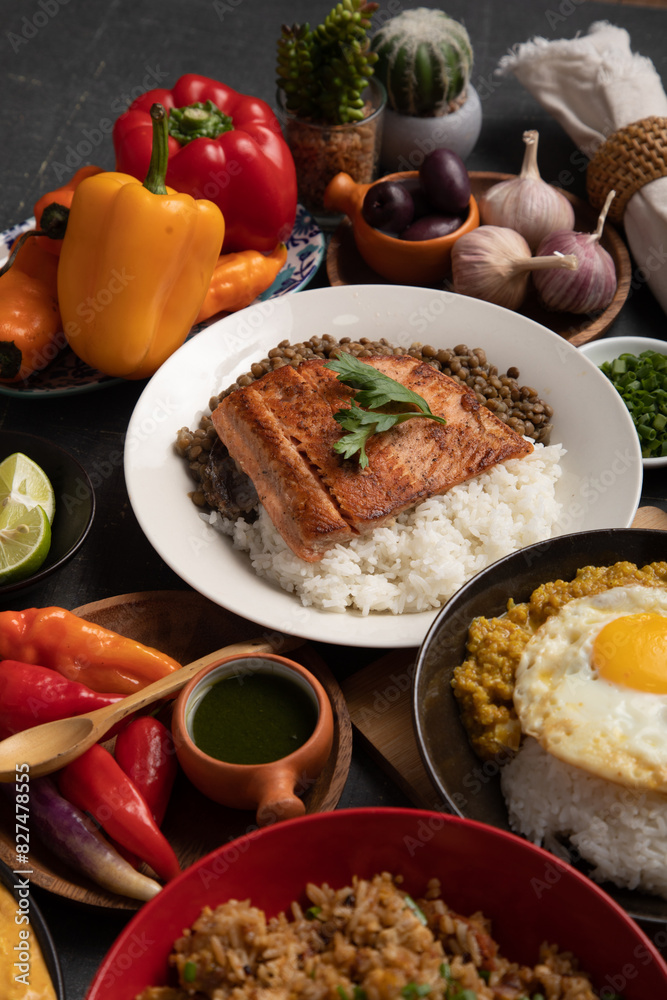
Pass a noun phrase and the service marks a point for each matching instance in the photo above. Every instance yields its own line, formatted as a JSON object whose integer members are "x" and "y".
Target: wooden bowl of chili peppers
{"x": 56, "y": 663}
{"x": 74, "y": 502}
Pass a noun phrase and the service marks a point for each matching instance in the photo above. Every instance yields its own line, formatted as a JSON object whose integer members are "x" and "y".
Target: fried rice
{"x": 365, "y": 941}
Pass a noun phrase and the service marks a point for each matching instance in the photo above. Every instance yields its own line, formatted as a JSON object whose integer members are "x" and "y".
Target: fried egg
{"x": 591, "y": 686}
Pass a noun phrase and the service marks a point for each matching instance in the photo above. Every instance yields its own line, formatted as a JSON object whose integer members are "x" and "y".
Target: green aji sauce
{"x": 253, "y": 718}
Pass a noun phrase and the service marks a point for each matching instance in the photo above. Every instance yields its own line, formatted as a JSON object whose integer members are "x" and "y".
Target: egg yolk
{"x": 632, "y": 651}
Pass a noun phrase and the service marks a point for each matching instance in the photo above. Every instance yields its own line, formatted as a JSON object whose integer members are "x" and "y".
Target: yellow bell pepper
{"x": 135, "y": 266}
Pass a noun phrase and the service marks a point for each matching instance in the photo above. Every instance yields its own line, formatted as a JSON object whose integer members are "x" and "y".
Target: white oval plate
{"x": 602, "y": 472}
{"x": 599, "y": 351}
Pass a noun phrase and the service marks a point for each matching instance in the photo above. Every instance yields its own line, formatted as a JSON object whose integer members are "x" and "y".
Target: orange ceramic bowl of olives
{"x": 402, "y": 261}
{"x": 252, "y": 732}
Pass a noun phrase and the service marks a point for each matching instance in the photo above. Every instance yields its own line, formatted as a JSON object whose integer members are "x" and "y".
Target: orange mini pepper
{"x": 239, "y": 278}
{"x": 30, "y": 326}
{"x": 60, "y": 196}
{"x": 135, "y": 266}
{"x": 78, "y": 649}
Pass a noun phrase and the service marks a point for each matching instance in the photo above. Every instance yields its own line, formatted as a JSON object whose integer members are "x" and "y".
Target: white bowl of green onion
{"x": 637, "y": 367}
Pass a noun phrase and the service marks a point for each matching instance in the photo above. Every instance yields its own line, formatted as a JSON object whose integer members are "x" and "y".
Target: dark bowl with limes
{"x": 74, "y": 502}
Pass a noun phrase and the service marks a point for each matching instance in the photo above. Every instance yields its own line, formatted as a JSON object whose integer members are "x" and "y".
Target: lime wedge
{"x": 24, "y": 545}
{"x": 24, "y": 484}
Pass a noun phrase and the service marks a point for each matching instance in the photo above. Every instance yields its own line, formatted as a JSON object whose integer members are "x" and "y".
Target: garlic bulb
{"x": 527, "y": 203}
{"x": 592, "y": 286}
{"x": 494, "y": 263}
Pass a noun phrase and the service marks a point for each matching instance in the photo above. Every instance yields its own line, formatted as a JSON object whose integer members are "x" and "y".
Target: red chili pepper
{"x": 145, "y": 751}
{"x": 30, "y": 695}
{"x": 223, "y": 146}
{"x": 96, "y": 784}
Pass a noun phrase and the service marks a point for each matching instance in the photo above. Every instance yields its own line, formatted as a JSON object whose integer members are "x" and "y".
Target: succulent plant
{"x": 324, "y": 71}
{"x": 424, "y": 61}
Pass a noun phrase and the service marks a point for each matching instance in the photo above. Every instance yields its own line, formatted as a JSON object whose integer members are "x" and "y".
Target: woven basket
{"x": 629, "y": 158}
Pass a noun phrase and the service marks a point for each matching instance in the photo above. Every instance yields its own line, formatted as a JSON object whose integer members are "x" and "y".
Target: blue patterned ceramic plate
{"x": 67, "y": 374}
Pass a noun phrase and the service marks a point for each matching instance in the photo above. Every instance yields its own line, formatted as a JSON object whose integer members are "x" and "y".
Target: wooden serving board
{"x": 379, "y": 702}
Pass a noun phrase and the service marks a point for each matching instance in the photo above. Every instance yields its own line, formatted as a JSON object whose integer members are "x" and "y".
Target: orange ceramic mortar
{"x": 423, "y": 262}
{"x": 268, "y": 788}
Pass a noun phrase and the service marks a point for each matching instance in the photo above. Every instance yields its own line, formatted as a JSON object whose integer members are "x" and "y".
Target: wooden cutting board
{"x": 379, "y": 702}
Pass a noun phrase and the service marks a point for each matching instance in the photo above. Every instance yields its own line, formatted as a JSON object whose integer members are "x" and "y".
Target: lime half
{"x": 24, "y": 484}
{"x": 24, "y": 545}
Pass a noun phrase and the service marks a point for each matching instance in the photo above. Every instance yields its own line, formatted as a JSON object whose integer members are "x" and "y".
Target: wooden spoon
{"x": 50, "y": 746}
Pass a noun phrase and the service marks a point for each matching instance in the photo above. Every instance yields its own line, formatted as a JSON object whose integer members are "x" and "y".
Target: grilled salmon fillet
{"x": 280, "y": 430}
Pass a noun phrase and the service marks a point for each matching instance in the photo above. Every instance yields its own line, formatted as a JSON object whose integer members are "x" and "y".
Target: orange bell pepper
{"x": 61, "y": 196}
{"x": 239, "y": 278}
{"x": 135, "y": 266}
{"x": 95, "y": 656}
{"x": 30, "y": 325}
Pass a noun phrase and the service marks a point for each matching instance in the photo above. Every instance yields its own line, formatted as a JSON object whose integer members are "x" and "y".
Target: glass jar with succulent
{"x": 425, "y": 60}
{"x": 330, "y": 105}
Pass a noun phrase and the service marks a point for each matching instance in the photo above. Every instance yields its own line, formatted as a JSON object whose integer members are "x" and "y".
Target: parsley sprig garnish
{"x": 364, "y": 417}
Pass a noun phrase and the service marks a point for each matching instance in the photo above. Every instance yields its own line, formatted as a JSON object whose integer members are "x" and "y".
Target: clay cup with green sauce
{"x": 251, "y": 732}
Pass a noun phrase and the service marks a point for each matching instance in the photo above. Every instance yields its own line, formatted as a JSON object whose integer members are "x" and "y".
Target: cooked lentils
{"x": 517, "y": 406}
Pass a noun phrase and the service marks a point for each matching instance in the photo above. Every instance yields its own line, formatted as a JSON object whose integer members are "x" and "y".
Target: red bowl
{"x": 529, "y": 895}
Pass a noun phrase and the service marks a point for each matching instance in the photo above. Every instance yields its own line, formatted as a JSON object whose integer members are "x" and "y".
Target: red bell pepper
{"x": 224, "y": 146}
{"x": 145, "y": 751}
{"x": 96, "y": 784}
{"x": 30, "y": 695}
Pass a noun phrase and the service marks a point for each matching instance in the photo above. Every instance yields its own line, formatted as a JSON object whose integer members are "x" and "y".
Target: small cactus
{"x": 424, "y": 61}
{"x": 323, "y": 72}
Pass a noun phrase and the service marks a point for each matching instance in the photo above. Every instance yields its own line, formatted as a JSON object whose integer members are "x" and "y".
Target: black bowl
{"x": 75, "y": 502}
{"x": 37, "y": 925}
{"x": 469, "y": 787}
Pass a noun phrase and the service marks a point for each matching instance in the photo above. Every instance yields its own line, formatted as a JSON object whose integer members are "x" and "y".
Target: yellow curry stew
{"x": 23, "y": 971}
{"x": 484, "y": 683}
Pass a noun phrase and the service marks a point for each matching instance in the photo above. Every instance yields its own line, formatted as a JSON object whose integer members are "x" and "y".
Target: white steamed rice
{"x": 621, "y": 832}
{"x": 421, "y": 559}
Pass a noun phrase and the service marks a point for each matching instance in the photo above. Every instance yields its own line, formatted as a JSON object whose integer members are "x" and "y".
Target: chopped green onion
{"x": 190, "y": 972}
{"x": 313, "y": 912}
{"x": 412, "y": 990}
{"x": 420, "y": 915}
{"x": 641, "y": 381}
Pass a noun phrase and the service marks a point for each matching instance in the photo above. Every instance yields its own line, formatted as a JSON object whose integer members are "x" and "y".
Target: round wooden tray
{"x": 346, "y": 266}
{"x": 186, "y": 626}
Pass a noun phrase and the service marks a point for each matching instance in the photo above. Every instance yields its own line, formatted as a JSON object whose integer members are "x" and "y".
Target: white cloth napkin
{"x": 594, "y": 84}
